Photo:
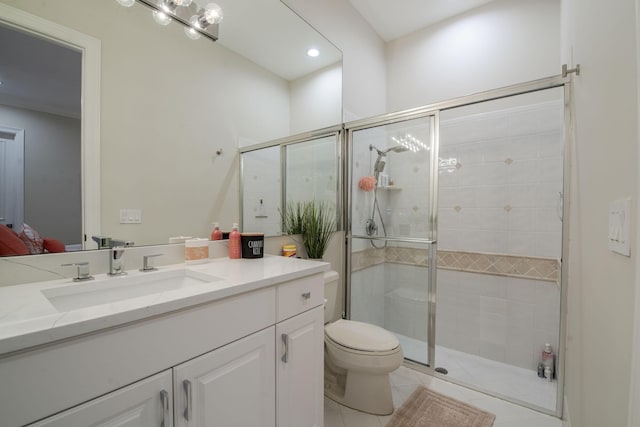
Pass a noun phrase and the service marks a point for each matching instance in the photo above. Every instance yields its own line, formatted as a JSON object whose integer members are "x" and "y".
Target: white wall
{"x": 502, "y": 43}
{"x": 364, "y": 68}
{"x": 167, "y": 104}
{"x": 52, "y": 203}
{"x": 316, "y": 99}
{"x": 600, "y": 35}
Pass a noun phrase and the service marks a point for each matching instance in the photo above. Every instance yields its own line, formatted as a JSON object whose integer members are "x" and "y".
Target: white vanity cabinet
{"x": 219, "y": 363}
{"x": 300, "y": 353}
{"x": 232, "y": 386}
{"x": 146, "y": 403}
{"x": 300, "y": 370}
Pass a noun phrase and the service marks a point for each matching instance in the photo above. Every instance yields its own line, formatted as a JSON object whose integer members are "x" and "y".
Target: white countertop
{"x": 28, "y": 319}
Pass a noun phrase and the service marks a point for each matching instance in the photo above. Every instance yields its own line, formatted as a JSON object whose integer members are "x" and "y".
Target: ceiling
{"x": 401, "y": 17}
{"x": 57, "y": 67}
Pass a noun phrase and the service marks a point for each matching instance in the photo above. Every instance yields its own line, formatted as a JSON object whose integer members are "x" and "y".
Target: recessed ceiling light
{"x": 313, "y": 52}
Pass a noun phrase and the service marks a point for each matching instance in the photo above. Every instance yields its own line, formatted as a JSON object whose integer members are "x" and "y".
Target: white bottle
{"x": 548, "y": 359}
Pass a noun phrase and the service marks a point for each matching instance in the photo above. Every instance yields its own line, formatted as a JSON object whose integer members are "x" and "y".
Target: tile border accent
{"x": 536, "y": 268}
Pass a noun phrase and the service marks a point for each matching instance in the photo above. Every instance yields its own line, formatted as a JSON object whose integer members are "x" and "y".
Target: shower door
{"x": 391, "y": 233}
{"x": 484, "y": 178}
{"x": 500, "y": 225}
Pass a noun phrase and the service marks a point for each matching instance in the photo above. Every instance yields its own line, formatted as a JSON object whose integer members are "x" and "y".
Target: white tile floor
{"x": 496, "y": 377}
{"x": 405, "y": 380}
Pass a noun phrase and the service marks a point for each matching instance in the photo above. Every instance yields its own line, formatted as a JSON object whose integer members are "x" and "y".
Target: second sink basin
{"x": 112, "y": 289}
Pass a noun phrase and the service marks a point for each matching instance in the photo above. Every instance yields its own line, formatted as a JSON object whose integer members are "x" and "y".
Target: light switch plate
{"x": 619, "y": 226}
{"x": 130, "y": 216}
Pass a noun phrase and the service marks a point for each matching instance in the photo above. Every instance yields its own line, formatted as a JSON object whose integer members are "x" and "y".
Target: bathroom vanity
{"x": 229, "y": 343}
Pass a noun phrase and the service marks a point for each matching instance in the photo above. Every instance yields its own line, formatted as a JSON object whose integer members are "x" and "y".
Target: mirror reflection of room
{"x": 169, "y": 122}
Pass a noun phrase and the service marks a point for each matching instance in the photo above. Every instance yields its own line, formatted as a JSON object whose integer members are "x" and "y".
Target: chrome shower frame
{"x": 432, "y": 112}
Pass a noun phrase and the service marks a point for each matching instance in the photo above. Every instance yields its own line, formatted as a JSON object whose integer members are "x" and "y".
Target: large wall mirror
{"x": 170, "y": 113}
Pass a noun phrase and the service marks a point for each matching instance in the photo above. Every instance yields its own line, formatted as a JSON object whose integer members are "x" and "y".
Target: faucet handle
{"x": 82, "y": 271}
{"x": 146, "y": 262}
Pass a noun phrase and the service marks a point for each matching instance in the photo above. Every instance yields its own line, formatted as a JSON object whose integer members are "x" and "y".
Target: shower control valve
{"x": 371, "y": 227}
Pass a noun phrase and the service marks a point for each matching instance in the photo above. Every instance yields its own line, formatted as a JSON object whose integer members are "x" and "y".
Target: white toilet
{"x": 358, "y": 358}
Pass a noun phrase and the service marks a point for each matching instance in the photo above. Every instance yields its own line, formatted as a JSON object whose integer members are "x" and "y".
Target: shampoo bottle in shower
{"x": 548, "y": 359}
{"x": 216, "y": 234}
{"x": 235, "y": 246}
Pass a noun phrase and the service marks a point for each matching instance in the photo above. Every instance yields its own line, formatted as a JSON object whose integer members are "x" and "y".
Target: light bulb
{"x": 313, "y": 52}
{"x": 213, "y": 13}
{"x": 191, "y": 33}
{"x": 195, "y": 22}
{"x": 161, "y": 17}
{"x": 184, "y": 3}
{"x": 126, "y": 3}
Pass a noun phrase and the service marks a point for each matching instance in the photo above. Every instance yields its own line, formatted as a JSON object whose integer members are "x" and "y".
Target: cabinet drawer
{"x": 299, "y": 295}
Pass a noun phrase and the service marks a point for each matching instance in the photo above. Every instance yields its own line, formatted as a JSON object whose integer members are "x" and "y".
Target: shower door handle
{"x": 285, "y": 348}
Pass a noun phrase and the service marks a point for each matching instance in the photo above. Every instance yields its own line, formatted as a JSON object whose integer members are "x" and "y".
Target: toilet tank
{"x": 331, "y": 282}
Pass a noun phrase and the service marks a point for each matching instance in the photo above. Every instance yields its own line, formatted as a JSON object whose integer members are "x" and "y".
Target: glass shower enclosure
{"x": 454, "y": 234}
{"x": 392, "y": 212}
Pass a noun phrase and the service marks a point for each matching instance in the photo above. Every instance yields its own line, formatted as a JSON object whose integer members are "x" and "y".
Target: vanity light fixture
{"x": 313, "y": 52}
{"x": 161, "y": 18}
{"x": 191, "y": 33}
{"x": 198, "y": 20}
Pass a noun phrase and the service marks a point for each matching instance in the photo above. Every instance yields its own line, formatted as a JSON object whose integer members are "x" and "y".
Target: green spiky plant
{"x": 293, "y": 218}
{"x": 315, "y": 221}
{"x": 319, "y": 226}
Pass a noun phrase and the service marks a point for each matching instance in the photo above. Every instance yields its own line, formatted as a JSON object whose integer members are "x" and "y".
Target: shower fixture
{"x": 378, "y": 167}
{"x": 371, "y": 228}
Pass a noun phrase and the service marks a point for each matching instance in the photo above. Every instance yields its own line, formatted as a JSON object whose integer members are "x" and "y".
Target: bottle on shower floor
{"x": 548, "y": 360}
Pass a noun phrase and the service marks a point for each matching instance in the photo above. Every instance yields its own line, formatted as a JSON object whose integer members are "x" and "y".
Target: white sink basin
{"x": 112, "y": 289}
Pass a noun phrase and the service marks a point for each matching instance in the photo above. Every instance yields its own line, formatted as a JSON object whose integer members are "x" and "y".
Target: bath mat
{"x": 426, "y": 408}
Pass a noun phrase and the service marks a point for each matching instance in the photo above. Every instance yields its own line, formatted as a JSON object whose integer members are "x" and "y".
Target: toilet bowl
{"x": 358, "y": 358}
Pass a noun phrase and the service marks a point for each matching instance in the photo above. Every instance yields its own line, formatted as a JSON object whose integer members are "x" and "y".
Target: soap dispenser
{"x": 235, "y": 245}
{"x": 216, "y": 234}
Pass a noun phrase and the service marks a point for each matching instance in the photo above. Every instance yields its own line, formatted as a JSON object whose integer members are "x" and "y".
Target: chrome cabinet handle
{"x": 187, "y": 394}
{"x": 285, "y": 348}
{"x": 306, "y": 295}
{"x": 164, "y": 401}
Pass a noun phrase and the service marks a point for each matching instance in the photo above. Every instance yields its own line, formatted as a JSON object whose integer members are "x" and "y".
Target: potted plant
{"x": 319, "y": 226}
{"x": 315, "y": 221}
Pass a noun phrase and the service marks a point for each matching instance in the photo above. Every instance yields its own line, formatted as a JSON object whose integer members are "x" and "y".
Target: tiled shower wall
{"x": 499, "y": 236}
{"x": 507, "y": 319}
{"x": 504, "y": 194}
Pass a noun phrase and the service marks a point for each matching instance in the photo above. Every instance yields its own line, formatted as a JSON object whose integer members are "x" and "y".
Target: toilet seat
{"x": 361, "y": 338}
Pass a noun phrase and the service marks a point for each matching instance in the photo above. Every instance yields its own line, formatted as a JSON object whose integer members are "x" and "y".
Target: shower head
{"x": 378, "y": 167}
{"x": 395, "y": 149}
{"x": 398, "y": 149}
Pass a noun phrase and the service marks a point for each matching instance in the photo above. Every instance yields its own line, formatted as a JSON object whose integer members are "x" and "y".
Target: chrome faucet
{"x": 146, "y": 263}
{"x": 82, "y": 271}
{"x": 108, "y": 242}
{"x": 116, "y": 261}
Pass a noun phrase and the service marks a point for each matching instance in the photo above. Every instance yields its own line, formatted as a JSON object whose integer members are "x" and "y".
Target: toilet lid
{"x": 361, "y": 336}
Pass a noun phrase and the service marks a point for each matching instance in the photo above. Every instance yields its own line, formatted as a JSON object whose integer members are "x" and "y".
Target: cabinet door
{"x": 231, "y": 386}
{"x": 300, "y": 370}
{"x": 147, "y": 403}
